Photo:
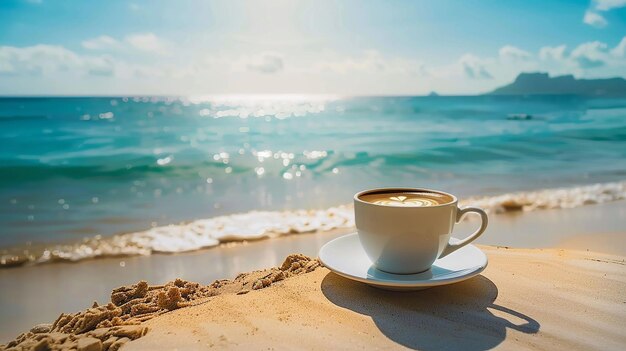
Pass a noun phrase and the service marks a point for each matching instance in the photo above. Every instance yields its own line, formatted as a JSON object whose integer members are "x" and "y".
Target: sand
{"x": 39, "y": 294}
{"x": 110, "y": 326}
{"x": 525, "y": 299}
{"x": 71, "y": 287}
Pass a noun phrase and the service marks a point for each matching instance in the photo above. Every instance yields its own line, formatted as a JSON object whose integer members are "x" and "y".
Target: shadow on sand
{"x": 453, "y": 317}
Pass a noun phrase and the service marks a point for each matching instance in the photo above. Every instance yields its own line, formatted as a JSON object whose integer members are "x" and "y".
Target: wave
{"x": 558, "y": 198}
{"x": 198, "y": 234}
{"x": 12, "y": 118}
{"x": 12, "y": 174}
{"x": 256, "y": 225}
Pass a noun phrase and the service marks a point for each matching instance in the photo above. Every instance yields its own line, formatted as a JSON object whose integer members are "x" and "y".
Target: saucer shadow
{"x": 451, "y": 317}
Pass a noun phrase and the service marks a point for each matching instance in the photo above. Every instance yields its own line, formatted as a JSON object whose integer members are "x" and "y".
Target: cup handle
{"x": 483, "y": 225}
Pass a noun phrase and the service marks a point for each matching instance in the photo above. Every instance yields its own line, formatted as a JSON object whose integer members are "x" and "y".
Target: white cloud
{"x": 40, "y": 60}
{"x": 509, "y": 52}
{"x": 370, "y": 61}
{"x": 474, "y": 67}
{"x": 620, "y": 49}
{"x": 590, "y": 55}
{"x": 592, "y": 16}
{"x": 606, "y": 5}
{"x": 556, "y": 53}
{"x": 146, "y": 42}
{"x": 586, "y": 59}
{"x": 594, "y": 19}
{"x": 39, "y": 69}
{"x": 267, "y": 62}
{"x": 37, "y": 59}
{"x": 147, "y": 72}
{"x": 102, "y": 42}
{"x": 100, "y": 66}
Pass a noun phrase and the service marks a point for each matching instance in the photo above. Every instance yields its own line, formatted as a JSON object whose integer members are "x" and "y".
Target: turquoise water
{"x": 79, "y": 167}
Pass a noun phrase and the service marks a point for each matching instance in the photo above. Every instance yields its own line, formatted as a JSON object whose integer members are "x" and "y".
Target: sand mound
{"x": 108, "y": 327}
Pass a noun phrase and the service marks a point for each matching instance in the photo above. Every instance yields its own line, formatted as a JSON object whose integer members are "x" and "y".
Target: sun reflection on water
{"x": 255, "y": 106}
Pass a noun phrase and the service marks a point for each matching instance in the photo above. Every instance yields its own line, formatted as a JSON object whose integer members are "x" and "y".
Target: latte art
{"x": 406, "y": 199}
{"x": 394, "y": 201}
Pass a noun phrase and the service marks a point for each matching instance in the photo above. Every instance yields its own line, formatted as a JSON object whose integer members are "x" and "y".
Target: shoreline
{"x": 78, "y": 284}
{"x": 302, "y": 303}
{"x": 201, "y": 234}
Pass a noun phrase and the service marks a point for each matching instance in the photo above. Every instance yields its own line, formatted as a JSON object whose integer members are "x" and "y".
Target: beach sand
{"x": 525, "y": 299}
{"x": 38, "y": 294}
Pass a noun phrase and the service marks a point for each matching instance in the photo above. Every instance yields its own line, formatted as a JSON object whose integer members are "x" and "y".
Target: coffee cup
{"x": 404, "y": 230}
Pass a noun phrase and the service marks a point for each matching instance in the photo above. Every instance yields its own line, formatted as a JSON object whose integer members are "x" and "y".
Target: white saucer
{"x": 346, "y": 257}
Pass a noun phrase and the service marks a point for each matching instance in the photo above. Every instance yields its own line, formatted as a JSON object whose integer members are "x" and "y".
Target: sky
{"x": 158, "y": 47}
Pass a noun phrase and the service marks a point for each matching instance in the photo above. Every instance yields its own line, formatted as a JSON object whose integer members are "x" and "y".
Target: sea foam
{"x": 255, "y": 225}
{"x": 550, "y": 198}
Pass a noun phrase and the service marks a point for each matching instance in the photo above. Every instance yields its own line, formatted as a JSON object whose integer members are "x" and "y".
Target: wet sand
{"x": 38, "y": 294}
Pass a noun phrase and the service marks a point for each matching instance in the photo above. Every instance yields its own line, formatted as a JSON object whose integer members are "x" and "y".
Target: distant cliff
{"x": 542, "y": 84}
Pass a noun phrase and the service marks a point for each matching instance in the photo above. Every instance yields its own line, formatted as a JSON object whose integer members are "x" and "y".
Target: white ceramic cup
{"x": 407, "y": 240}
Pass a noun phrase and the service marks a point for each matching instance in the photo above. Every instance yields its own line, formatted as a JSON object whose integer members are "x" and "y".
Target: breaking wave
{"x": 255, "y": 225}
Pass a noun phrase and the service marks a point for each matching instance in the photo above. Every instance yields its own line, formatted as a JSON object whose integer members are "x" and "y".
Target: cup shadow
{"x": 452, "y": 317}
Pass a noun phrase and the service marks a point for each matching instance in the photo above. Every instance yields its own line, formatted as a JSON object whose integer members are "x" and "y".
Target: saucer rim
{"x": 475, "y": 270}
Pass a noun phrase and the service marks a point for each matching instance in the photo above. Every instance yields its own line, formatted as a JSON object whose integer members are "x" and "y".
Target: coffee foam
{"x": 406, "y": 199}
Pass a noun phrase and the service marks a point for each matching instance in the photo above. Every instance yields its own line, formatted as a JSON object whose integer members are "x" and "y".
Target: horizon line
{"x": 274, "y": 95}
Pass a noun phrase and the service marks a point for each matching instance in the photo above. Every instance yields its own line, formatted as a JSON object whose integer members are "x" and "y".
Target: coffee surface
{"x": 406, "y": 199}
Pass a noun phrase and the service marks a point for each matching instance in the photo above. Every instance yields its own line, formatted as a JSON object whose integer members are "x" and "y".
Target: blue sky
{"x": 65, "y": 47}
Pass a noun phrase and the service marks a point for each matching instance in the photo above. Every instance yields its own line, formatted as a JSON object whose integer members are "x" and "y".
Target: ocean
{"x": 173, "y": 171}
